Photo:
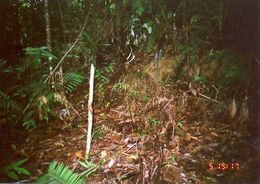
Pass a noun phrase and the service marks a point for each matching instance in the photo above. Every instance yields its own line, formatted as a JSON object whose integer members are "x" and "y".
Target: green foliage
{"x": 189, "y": 51}
{"x": 171, "y": 160}
{"x": 189, "y": 26}
{"x": 144, "y": 133}
{"x": 120, "y": 86}
{"x": 14, "y": 169}
{"x": 97, "y": 133}
{"x": 200, "y": 78}
{"x": 123, "y": 177}
{"x": 40, "y": 100}
{"x": 90, "y": 167}
{"x": 179, "y": 124}
{"x": 35, "y": 97}
{"x": 145, "y": 98}
{"x": 139, "y": 9}
{"x": 3, "y": 68}
{"x": 72, "y": 81}
{"x": 110, "y": 67}
{"x": 30, "y": 98}
{"x": 134, "y": 93}
{"x": 7, "y": 104}
{"x": 59, "y": 173}
{"x": 229, "y": 68}
{"x": 102, "y": 77}
{"x": 39, "y": 52}
{"x": 148, "y": 27}
{"x": 34, "y": 59}
{"x": 154, "y": 122}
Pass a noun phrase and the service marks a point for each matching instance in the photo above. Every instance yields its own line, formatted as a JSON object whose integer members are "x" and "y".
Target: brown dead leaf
{"x": 188, "y": 113}
{"x": 132, "y": 158}
{"x": 115, "y": 139}
{"x": 103, "y": 154}
{"x": 197, "y": 149}
{"x": 214, "y": 134}
{"x": 184, "y": 128}
{"x": 111, "y": 163}
{"x": 233, "y": 108}
{"x": 42, "y": 100}
{"x": 78, "y": 154}
{"x": 188, "y": 137}
{"x": 192, "y": 90}
{"x": 195, "y": 138}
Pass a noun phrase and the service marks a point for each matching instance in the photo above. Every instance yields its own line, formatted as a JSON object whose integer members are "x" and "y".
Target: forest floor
{"x": 143, "y": 133}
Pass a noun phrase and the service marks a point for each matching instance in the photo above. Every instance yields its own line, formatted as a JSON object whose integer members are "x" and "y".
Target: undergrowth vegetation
{"x": 30, "y": 99}
{"x": 111, "y": 35}
{"x": 185, "y": 41}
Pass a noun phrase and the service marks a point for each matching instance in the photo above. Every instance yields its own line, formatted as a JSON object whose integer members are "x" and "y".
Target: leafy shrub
{"x": 59, "y": 173}
{"x": 12, "y": 169}
{"x": 72, "y": 81}
{"x": 30, "y": 98}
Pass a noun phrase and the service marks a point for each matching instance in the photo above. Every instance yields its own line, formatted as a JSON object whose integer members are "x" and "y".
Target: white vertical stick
{"x": 90, "y": 109}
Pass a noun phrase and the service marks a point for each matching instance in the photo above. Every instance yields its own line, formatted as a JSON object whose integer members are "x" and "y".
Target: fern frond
{"x": 7, "y": 103}
{"x": 59, "y": 173}
{"x": 72, "y": 81}
{"x": 29, "y": 63}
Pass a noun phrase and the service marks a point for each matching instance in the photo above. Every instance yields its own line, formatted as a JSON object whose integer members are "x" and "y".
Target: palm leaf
{"x": 59, "y": 173}
{"x": 7, "y": 103}
{"x": 72, "y": 81}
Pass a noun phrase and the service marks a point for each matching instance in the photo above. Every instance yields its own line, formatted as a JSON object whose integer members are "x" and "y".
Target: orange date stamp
{"x": 222, "y": 166}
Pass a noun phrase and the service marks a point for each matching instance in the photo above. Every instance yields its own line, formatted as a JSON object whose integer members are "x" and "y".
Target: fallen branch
{"x": 135, "y": 144}
{"x": 74, "y": 109}
{"x": 119, "y": 112}
{"x": 210, "y": 99}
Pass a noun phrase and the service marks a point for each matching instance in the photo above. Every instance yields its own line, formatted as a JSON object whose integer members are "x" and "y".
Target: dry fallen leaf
{"x": 132, "y": 158}
{"x": 78, "y": 154}
{"x": 115, "y": 139}
{"x": 214, "y": 134}
{"x": 233, "y": 108}
{"x": 103, "y": 154}
{"x": 111, "y": 163}
{"x": 188, "y": 137}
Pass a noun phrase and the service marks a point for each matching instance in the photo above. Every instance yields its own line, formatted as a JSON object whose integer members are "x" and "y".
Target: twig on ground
{"x": 208, "y": 98}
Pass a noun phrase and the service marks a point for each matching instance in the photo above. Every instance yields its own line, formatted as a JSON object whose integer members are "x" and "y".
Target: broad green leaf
{"x": 112, "y": 7}
{"x": 20, "y": 162}
{"x": 169, "y": 15}
{"x": 194, "y": 19}
{"x": 148, "y": 27}
{"x": 14, "y": 164}
{"x": 12, "y": 175}
{"x": 60, "y": 173}
{"x": 139, "y": 10}
{"x": 23, "y": 171}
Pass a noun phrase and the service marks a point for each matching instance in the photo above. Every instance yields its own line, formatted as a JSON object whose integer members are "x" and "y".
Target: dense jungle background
{"x": 176, "y": 91}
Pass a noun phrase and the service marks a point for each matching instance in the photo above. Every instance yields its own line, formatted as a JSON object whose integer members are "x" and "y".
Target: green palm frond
{"x": 29, "y": 63}
{"x": 7, "y": 103}
{"x": 59, "y": 173}
{"x": 72, "y": 81}
{"x": 34, "y": 58}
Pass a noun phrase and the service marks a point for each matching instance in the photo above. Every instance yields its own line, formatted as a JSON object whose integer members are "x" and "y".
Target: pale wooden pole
{"x": 90, "y": 109}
